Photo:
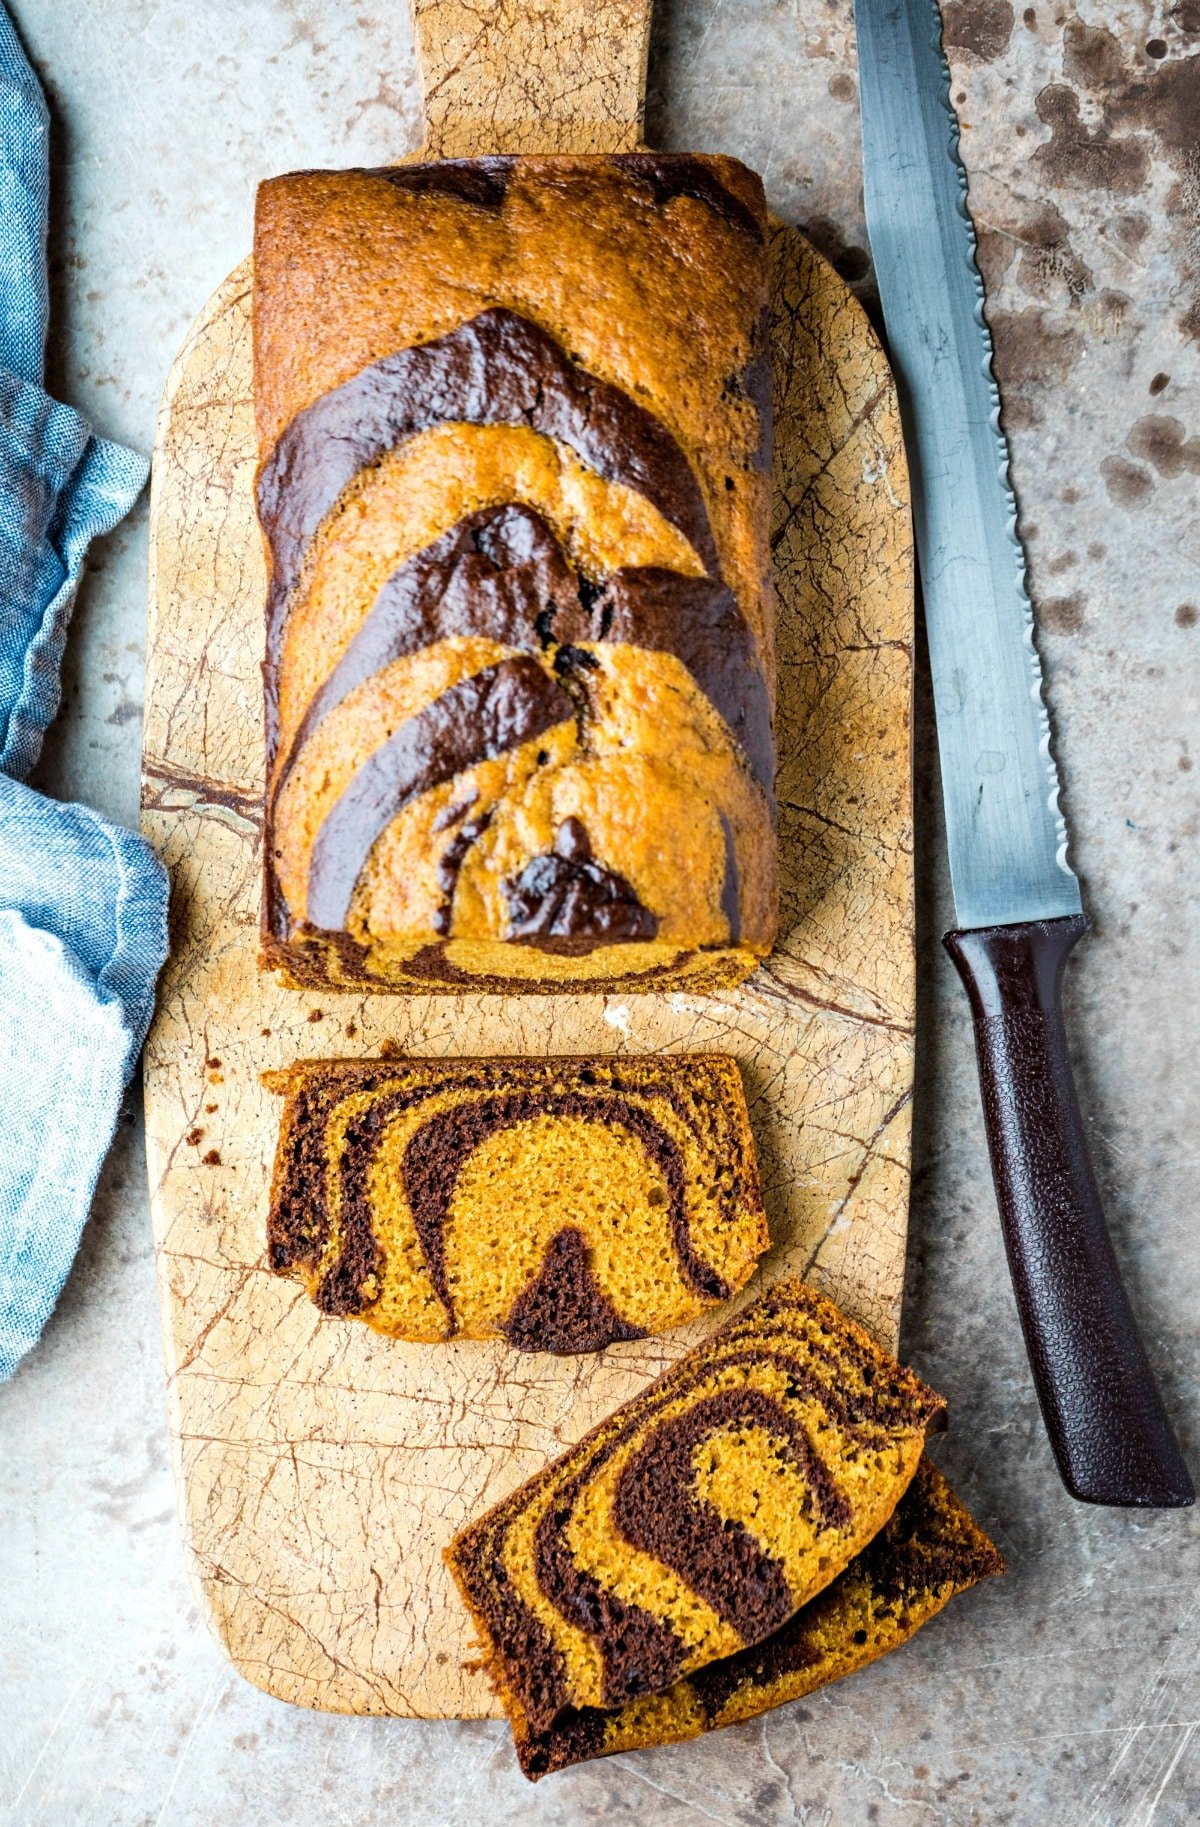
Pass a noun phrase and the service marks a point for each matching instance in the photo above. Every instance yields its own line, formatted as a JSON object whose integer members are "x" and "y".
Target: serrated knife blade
{"x": 1015, "y": 895}
{"x": 1006, "y": 836}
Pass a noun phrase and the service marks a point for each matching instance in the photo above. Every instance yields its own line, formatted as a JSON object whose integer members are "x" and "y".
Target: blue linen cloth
{"x": 83, "y": 903}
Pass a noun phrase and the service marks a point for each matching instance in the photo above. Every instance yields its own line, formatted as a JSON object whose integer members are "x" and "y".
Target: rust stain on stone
{"x": 1130, "y": 230}
{"x": 1159, "y": 439}
{"x": 1047, "y": 258}
{"x": 1147, "y": 105}
{"x": 1079, "y": 157}
{"x": 1063, "y": 614}
{"x": 1128, "y": 484}
{"x": 1031, "y": 346}
{"x": 982, "y": 28}
{"x": 1091, "y": 54}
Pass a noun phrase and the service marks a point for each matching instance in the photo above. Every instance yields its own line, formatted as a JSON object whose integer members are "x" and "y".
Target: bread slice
{"x": 560, "y": 1204}
{"x": 699, "y": 1517}
{"x": 929, "y": 1551}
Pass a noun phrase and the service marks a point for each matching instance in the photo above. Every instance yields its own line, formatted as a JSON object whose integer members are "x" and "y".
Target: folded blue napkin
{"x": 83, "y": 902}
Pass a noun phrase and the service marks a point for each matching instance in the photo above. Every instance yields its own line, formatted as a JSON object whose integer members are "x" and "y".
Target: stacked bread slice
{"x": 758, "y": 1521}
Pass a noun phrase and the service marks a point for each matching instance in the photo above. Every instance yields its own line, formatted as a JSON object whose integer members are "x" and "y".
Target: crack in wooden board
{"x": 568, "y": 78}
{"x": 321, "y": 1467}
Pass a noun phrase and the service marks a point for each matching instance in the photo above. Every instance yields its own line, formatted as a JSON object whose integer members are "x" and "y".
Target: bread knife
{"x": 1016, "y": 897}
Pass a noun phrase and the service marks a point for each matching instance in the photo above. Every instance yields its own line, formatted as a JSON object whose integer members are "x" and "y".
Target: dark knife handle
{"x": 1103, "y": 1412}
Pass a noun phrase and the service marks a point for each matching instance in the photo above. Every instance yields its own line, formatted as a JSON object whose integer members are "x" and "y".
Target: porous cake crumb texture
{"x": 561, "y": 1204}
{"x": 699, "y": 1517}
{"x": 927, "y": 1552}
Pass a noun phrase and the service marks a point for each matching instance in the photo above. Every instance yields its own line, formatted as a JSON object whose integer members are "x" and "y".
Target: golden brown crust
{"x": 657, "y": 299}
{"x": 520, "y": 664}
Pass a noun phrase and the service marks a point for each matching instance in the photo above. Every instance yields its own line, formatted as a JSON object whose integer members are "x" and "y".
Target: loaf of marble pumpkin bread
{"x": 928, "y": 1551}
{"x": 514, "y": 432}
{"x": 560, "y": 1204}
{"x": 697, "y": 1519}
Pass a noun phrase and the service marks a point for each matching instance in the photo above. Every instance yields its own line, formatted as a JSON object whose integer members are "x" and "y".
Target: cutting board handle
{"x": 532, "y": 75}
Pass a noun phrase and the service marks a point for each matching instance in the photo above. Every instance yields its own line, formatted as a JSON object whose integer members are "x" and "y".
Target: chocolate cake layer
{"x": 699, "y": 1518}
{"x": 561, "y": 1204}
{"x": 513, "y": 429}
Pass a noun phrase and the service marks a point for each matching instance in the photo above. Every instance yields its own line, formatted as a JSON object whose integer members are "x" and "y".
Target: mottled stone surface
{"x": 1069, "y": 1692}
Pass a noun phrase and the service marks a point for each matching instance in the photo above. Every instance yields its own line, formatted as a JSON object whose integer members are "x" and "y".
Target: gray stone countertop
{"x": 1068, "y": 1693}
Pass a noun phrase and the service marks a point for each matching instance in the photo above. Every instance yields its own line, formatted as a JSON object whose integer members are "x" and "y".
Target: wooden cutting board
{"x": 321, "y": 1467}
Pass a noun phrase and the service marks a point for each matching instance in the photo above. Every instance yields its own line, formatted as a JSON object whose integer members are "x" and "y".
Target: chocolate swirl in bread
{"x": 477, "y": 719}
{"x": 497, "y": 369}
{"x": 512, "y": 591}
{"x": 561, "y": 1204}
{"x": 928, "y": 1551}
{"x": 501, "y": 573}
{"x": 699, "y": 1517}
